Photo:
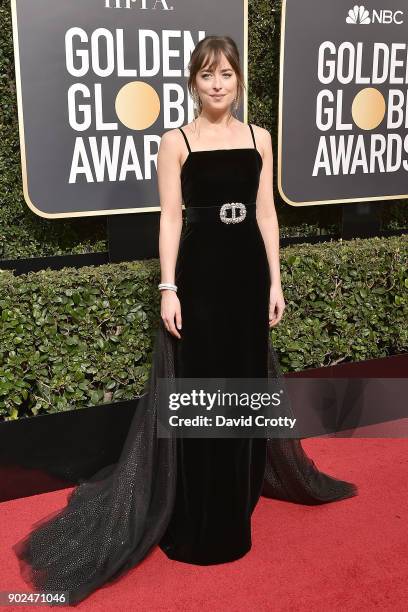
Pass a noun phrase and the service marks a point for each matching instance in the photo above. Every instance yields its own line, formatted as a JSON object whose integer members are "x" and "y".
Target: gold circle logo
{"x": 137, "y": 105}
{"x": 368, "y": 108}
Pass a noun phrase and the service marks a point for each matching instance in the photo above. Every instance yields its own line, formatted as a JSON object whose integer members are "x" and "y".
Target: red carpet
{"x": 347, "y": 555}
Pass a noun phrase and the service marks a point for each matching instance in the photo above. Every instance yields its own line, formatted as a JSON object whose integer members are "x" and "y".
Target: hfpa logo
{"x": 127, "y": 4}
{"x": 359, "y": 15}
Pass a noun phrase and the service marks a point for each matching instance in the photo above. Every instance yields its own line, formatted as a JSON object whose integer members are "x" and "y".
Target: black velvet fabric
{"x": 223, "y": 281}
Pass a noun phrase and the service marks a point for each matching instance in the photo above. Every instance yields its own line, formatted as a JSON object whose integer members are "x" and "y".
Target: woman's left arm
{"x": 268, "y": 225}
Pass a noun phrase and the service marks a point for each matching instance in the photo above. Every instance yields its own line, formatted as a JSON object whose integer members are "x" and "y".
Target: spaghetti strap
{"x": 185, "y": 138}
{"x": 252, "y": 132}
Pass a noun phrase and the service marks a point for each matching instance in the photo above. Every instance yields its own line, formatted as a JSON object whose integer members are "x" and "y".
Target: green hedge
{"x": 24, "y": 234}
{"x": 80, "y": 337}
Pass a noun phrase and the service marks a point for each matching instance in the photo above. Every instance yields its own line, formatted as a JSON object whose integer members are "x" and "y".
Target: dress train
{"x": 113, "y": 519}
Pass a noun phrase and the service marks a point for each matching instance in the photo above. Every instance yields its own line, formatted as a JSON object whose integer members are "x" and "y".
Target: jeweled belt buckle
{"x": 233, "y": 206}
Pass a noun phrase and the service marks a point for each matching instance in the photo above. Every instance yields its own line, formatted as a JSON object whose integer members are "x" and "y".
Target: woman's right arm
{"x": 171, "y": 222}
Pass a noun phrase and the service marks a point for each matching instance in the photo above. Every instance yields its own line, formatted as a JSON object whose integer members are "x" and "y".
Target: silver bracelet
{"x": 167, "y": 286}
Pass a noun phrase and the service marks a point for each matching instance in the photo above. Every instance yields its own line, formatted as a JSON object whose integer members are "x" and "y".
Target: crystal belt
{"x": 228, "y": 212}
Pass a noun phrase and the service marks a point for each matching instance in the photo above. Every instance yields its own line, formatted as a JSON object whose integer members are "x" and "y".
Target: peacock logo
{"x": 358, "y": 15}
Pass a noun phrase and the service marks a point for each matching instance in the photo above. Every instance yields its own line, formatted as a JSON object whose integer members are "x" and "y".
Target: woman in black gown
{"x": 193, "y": 497}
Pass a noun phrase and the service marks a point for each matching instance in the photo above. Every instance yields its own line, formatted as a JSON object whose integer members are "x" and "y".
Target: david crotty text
{"x": 221, "y": 421}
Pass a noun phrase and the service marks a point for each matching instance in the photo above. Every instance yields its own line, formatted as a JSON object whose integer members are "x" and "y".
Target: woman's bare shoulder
{"x": 261, "y": 132}
{"x": 171, "y": 136}
{"x": 172, "y": 142}
{"x": 263, "y": 139}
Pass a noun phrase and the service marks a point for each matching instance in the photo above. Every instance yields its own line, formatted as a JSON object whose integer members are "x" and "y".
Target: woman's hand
{"x": 276, "y": 304}
{"x": 170, "y": 310}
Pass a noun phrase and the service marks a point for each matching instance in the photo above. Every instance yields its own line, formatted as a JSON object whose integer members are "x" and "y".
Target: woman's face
{"x": 217, "y": 88}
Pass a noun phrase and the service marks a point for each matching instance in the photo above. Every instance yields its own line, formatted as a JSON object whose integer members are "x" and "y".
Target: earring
{"x": 235, "y": 106}
{"x": 196, "y": 102}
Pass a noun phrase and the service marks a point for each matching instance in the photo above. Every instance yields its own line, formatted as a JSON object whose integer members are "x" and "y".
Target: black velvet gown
{"x": 193, "y": 497}
{"x": 223, "y": 285}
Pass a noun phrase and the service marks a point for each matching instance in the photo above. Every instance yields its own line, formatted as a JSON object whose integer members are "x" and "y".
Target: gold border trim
{"x": 282, "y": 193}
{"x": 92, "y": 213}
{"x": 245, "y": 16}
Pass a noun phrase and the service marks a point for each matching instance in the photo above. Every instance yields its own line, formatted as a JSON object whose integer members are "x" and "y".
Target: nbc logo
{"x": 358, "y": 14}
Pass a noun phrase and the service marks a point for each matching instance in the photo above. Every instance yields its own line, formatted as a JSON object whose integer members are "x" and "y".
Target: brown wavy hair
{"x": 210, "y": 48}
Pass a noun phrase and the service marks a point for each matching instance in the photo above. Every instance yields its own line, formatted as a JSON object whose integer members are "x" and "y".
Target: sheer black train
{"x": 113, "y": 520}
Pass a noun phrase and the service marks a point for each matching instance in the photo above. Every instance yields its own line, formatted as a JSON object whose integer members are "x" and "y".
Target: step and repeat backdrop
{"x": 99, "y": 82}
